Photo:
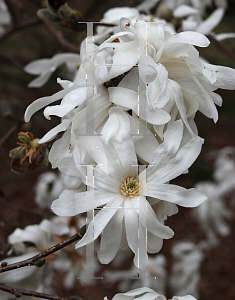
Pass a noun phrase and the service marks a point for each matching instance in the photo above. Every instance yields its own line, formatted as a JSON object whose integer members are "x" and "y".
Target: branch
{"x": 16, "y": 292}
{"x": 221, "y": 47}
{"x": 34, "y": 21}
{"x": 31, "y": 261}
{"x": 61, "y": 39}
{"x": 11, "y": 9}
{"x": 12, "y": 60}
{"x": 10, "y": 132}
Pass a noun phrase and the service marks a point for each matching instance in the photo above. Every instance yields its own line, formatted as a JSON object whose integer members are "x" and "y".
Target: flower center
{"x": 130, "y": 187}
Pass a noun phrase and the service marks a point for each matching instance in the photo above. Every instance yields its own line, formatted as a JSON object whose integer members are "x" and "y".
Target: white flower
{"x": 31, "y": 278}
{"x": 121, "y": 193}
{"x": 178, "y": 83}
{"x": 48, "y": 188}
{"x": 145, "y": 293}
{"x": 45, "y": 67}
{"x": 78, "y": 97}
{"x": 41, "y": 236}
{"x": 186, "y": 268}
{"x": 212, "y": 213}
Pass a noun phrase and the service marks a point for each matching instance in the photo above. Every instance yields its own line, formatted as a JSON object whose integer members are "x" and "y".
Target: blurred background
{"x": 28, "y": 39}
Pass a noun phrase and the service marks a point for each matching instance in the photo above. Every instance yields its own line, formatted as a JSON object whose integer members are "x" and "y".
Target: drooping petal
{"x": 100, "y": 221}
{"x": 110, "y": 242}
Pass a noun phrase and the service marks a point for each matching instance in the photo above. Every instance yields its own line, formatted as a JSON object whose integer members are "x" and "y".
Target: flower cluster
{"x": 158, "y": 77}
{"x": 127, "y": 121}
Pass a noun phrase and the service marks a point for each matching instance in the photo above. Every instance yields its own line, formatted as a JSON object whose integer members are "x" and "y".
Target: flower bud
{"x": 4, "y": 264}
{"x": 18, "y": 295}
{"x": 40, "y": 262}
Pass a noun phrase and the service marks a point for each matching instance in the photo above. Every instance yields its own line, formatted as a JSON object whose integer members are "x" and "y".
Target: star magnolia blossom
{"x": 77, "y": 97}
{"x": 146, "y": 294}
{"x": 185, "y": 273}
{"x": 212, "y": 214}
{"x": 121, "y": 192}
{"x": 37, "y": 279}
{"x": 177, "y": 83}
{"x": 45, "y": 67}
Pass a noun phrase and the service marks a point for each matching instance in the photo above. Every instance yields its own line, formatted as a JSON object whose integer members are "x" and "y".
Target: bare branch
{"x": 11, "y": 9}
{"x": 14, "y": 291}
{"x": 61, "y": 39}
{"x": 9, "y": 33}
{"x": 9, "y": 133}
{"x": 31, "y": 261}
{"x": 221, "y": 47}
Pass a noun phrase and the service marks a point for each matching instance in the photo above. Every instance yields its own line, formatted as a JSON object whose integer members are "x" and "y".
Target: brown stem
{"x": 14, "y": 291}
{"x": 61, "y": 39}
{"x": 12, "y": 60}
{"x": 31, "y": 261}
{"x": 9, "y": 133}
{"x": 221, "y": 47}
{"x": 12, "y": 12}
{"x": 10, "y": 32}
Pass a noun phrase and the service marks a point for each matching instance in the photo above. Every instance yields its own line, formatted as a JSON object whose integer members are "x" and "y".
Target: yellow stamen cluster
{"x": 130, "y": 187}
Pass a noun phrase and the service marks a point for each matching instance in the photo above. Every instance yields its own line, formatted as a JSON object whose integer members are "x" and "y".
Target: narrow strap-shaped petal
{"x": 100, "y": 221}
{"x": 176, "y": 194}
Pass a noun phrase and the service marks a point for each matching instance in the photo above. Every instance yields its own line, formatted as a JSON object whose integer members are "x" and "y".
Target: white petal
{"x": 54, "y": 228}
{"x": 71, "y": 203}
{"x": 111, "y": 238}
{"x": 183, "y": 11}
{"x": 189, "y": 37}
{"x": 178, "y": 165}
{"x": 54, "y": 131}
{"x": 101, "y": 220}
{"x": 211, "y": 22}
{"x": 41, "y": 102}
{"x": 176, "y": 194}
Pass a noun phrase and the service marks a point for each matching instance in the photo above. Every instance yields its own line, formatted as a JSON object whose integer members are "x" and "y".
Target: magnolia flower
{"x": 195, "y": 22}
{"x": 45, "y": 67}
{"x": 211, "y": 214}
{"x": 82, "y": 100}
{"x": 154, "y": 276}
{"x": 177, "y": 82}
{"x": 145, "y": 293}
{"x": 48, "y": 188}
{"x": 186, "y": 269}
{"x": 40, "y": 238}
{"x": 119, "y": 190}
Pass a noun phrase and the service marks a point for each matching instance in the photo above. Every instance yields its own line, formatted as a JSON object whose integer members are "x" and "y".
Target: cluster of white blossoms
{"x": 127, "y": 119}
{"x": 132, "y": 102}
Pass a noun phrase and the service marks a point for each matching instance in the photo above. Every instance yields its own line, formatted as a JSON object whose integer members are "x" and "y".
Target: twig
{"x": 12, "y": 60}
{"x": 33, "y": 22}
{"x": 31, "y": 261}
{"x": 11, "y": 9}
{"x": 10, "y": 132}
{"x": 221, "y": 47}
{"x": 14, "y": 291}
{"x": 61, "y": 39}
